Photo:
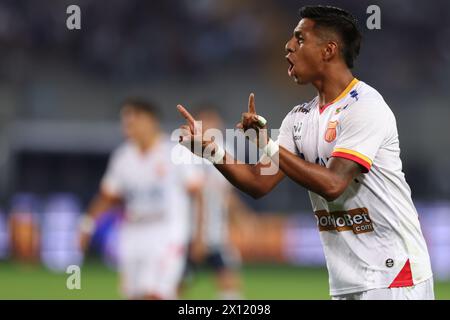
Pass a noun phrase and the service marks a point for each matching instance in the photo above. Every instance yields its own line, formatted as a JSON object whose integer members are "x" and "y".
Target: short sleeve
{"x": 285, "y": 137}
{"x": 362, "y": 130}
{"x": 112, "y": 181}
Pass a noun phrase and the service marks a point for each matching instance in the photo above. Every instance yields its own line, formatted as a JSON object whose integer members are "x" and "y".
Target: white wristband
{"x": 261, "y": 121}
{"x": 271, "y": 148}
{"x": 218, "y": 155}
{"x": 87, "y": 224}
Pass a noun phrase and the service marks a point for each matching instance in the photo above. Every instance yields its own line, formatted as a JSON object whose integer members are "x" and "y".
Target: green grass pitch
{"x": 99, "y": 282}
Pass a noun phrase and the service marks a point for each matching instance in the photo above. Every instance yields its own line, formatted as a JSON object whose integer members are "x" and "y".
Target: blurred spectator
{"x": 24, "y": 226}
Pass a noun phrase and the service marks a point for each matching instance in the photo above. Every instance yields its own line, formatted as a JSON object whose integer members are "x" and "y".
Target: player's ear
{"x": 330, "y": 50}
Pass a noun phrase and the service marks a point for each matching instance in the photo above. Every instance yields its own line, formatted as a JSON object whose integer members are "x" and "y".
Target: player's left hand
{"x": 197, "y": 251}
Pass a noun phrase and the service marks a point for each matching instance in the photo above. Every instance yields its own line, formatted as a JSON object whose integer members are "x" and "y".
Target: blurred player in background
{"x": 343, "y": 147}
{"x": 155, "y": 193}
{"x": 210, "y": 242}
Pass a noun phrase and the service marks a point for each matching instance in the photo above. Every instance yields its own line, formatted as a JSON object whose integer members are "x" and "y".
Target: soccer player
{"x": 343, "y": 147}
{"x": 155, "y": 193}
{"x": 210, "y": 242}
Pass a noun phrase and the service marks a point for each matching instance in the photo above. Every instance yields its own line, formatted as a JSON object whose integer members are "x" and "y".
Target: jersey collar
{"x": 341, "y": 95}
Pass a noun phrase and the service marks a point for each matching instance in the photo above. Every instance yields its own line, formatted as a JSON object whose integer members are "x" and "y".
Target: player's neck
{"x": 332, "y": 85}
{"x": 148, "y": 143}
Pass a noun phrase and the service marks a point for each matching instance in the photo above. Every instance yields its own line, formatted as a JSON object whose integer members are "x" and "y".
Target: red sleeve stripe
{"x": 353, "y": 157}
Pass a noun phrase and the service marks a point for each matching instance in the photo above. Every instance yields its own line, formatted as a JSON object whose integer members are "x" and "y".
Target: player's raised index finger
{"x": 186, "y": 115}
{"x": 251, "y": 103}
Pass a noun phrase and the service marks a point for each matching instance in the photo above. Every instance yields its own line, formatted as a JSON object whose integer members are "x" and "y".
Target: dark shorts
{"x": 217, "y": 259}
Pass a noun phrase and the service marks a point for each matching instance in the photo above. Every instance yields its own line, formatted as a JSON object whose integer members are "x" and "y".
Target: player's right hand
{"x": 84, "y": 241}
{"x": 86, "y": 228}
{"x": 191, "y": 135}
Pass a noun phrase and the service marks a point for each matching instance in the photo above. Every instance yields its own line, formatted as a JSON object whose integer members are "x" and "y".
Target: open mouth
{"x": 291, "y": 67}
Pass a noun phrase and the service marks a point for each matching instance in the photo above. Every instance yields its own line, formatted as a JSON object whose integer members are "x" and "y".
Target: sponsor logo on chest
{"x": 356, "y": 220}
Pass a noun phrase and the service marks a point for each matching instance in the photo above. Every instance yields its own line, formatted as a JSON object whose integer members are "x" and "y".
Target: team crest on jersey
{"x": 330, "y": 134}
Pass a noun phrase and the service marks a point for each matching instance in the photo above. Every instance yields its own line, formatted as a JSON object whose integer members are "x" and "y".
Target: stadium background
{"x": 60, "y": 93}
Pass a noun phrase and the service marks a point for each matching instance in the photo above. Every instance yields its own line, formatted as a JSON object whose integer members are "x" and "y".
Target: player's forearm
{"x": 99, "y": 205}
{"x": 245, "y": 177}
{"x": 314, "y": 177}
{"x": 87, "y": 225}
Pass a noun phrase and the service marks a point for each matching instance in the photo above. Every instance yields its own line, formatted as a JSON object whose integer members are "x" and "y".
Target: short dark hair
{"x": 340, "y": 21}
{"x": 142, "y": 105}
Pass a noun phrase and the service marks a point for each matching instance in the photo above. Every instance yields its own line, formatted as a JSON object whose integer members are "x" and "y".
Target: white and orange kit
{"x": 371, "y": 234}
{"x": 154, "y": 236}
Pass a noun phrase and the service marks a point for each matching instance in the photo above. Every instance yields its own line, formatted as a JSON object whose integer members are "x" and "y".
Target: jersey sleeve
{"x": 286, "y": 137}
{"x": 363, "y": 129}
{"x": 112, "y": 181}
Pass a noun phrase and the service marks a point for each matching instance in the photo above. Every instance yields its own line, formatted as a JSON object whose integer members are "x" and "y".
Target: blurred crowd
{"x": 152, "y": 39}
{"x": 134, "y": 39}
